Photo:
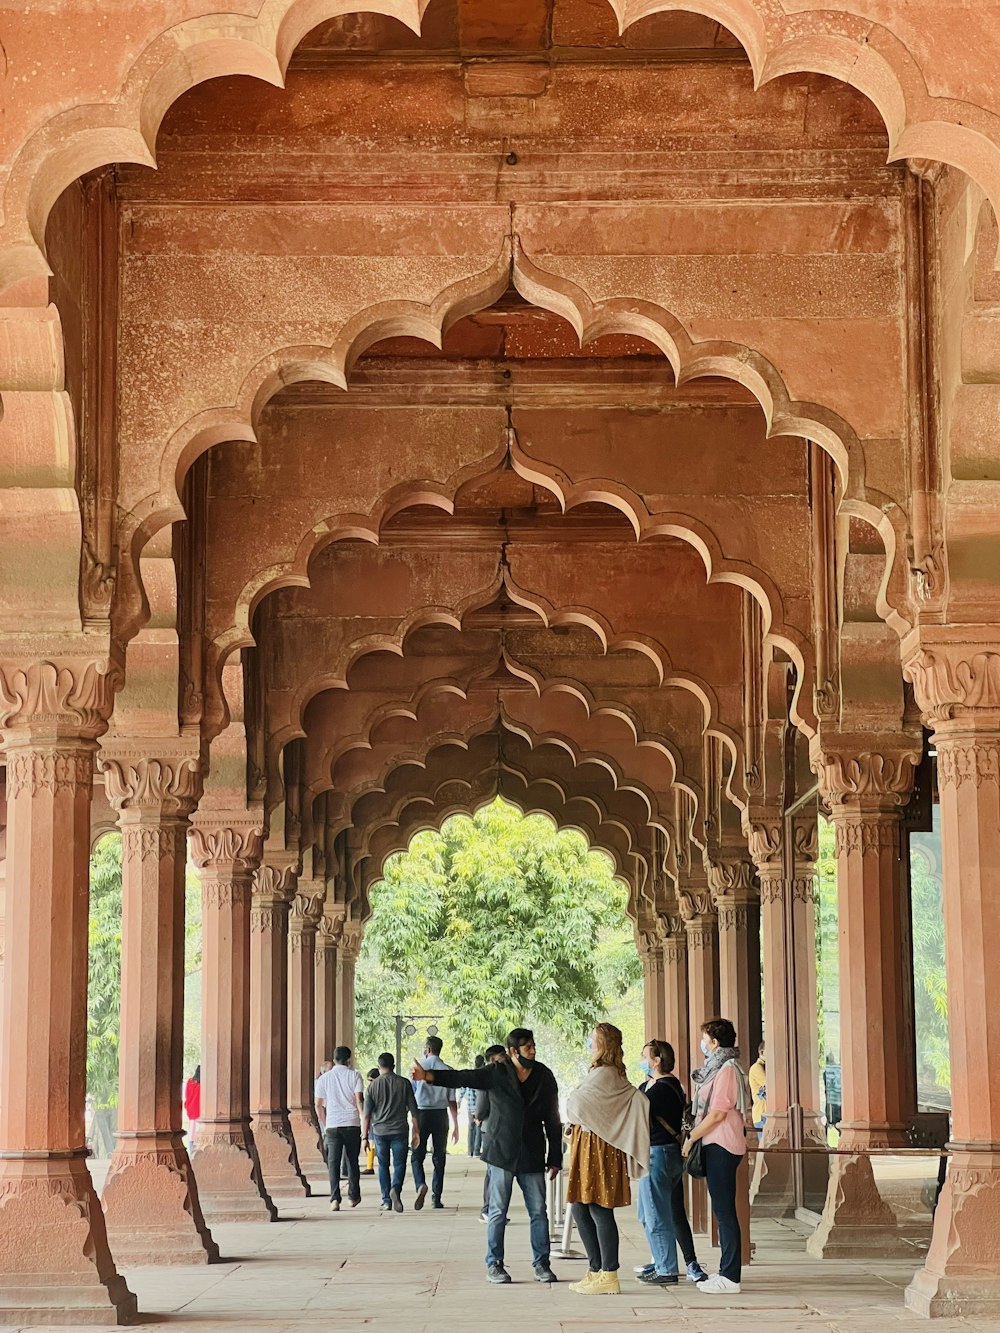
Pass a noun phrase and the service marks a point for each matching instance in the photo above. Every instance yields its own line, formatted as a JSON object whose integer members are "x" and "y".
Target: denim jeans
{"x": 396, "y": 1144}
{"x": 720, "y": 1176}
{"x": 434, "y": 1130}
{"x": 655, "y": 1206}
{"x": 501, "y": 1184}
{"x": 475, "y": 1137}
{"x": 344, "y": 1141}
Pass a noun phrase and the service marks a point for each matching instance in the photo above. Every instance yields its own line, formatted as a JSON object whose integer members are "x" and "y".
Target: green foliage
{"x": 827, "y": 944}
{"x": 496, "y": 921}
{"x": 104, "y": 978}
{"x": 929, "y": 984}
{"x": 104, "y": 974}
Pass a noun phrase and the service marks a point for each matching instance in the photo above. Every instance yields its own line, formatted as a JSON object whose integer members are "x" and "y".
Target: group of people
{"x": 616, "y": 1134}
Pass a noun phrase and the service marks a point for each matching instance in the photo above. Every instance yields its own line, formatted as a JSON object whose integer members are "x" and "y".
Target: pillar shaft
{"x": 653, "y": 984}
{"x": 737, "y": 904}
{"x": 701, "y": 928}
{"x": 959, "y": 694}
{"x": 269, "y": 906}
{"x": 675, "y": 998}
{"x": 150, "y": 1197}
{"x": 325, "y": 993}
{"x": 346, "y": 964}
{"x": 225, "y": 1156}
{"x": 306, "y": 911}
{"x": 55, "y": 1263}
{"x": 866, "y": 789}
{"x": 785, "y": 855}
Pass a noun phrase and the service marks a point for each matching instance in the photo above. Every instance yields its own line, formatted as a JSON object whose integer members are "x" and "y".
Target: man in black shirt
{"x": 522, "y": 1137}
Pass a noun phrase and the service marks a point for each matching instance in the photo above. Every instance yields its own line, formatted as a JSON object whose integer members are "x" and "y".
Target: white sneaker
{"x": 719, "y": 1286}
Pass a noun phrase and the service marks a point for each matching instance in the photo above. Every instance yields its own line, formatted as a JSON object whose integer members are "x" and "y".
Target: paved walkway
{"x": 363, "y": 1272}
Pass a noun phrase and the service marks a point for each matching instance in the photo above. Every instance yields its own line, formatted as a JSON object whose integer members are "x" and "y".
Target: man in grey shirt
{"x": 389, "y": 1100}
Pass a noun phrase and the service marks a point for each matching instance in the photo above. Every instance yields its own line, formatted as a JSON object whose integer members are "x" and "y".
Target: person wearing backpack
{"x": 661, "y": 1193}
{"x": 722, "y": 1101}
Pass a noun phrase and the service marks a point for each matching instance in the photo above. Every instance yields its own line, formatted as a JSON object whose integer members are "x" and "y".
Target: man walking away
{"x": 469, "y": 1097}
{"x": 434, "y": 1106}
{"x": 388, "y": 1100}
{"x": 522, "y": 1137}
{"x": 495, "y": 1055}
{"x": 339, "y": 1095}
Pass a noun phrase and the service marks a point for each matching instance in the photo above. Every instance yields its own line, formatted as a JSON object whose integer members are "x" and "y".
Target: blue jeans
{"x": 655, "y": 1210}
{"x": 396, "y": 1144}
{"x": 720, "y": 1176}
{"x": 533, "y": 1188}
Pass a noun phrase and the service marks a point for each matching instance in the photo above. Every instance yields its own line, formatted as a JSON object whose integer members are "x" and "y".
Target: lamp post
{"x": 406, "y": 1027}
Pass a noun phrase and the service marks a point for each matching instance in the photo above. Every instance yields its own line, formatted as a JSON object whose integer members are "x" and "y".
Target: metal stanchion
{"x": 560, "y": 1213}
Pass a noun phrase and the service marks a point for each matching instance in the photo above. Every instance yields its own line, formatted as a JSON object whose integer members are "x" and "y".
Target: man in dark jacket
{"x": 522, "y": 1137}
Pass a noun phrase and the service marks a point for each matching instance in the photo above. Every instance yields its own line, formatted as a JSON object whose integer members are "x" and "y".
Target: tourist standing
{"x": 661, "y": 1193}
{"x": 368, "y": 1145}
{"x": 339, "y": 1097}
{"x": 469, "y": 1096}
{"x": 721, "y": 1102}
{"x": 389, "y": 1100}
{"x": 522, "y": 1138}
{"x": 757, "y": 1074}
{"x": 609, "y": 1143}
{"x": 434, "y": 1106}
{"x": 192, "y": 1102}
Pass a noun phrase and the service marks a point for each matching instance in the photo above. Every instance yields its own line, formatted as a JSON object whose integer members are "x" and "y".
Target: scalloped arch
{"x": 865, "y": 54}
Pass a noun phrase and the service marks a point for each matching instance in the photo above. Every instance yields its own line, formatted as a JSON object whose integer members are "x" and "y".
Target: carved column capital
{"x": 45, "y": 698}
{"x": 731, "y": 879}
{"x": 274, "y": 884}
{"x": 227, "y": 845}
{"x": 870, "y": 772}
{"x": 160, "y": 783}
{"x": 765, "y": 838}
{"x": 955, "y": 680}
{"x": 329, "y": 931}
{"x": 307, "y": 913}
{"x": 49, "y": 769}
{"x": 350, "y": 944}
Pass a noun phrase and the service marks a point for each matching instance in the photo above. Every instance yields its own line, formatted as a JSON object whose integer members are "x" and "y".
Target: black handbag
{"x": 694, "y": 1162}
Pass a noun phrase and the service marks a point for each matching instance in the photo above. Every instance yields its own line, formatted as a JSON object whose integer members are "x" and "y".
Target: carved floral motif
{"x": 146, "y": 842}
{"x": 78, "y": 696}
{"x": 951, "y": 679}
{"x": 35, "y": 771}
{"x": 866, "y": 834}
{"x": 171, "y": 785}
{"x": 884, "y": 776}
{"x": 234, "y": 845}
{"x": 960, "y": 762}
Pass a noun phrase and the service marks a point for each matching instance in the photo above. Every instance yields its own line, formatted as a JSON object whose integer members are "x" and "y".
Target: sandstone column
{"x": 151, "y": 1199}
{"x": 272, "y": 891}
{"x": 55, "y": 1264}
{"x": 653, "y": 993}
{"x": 788, "y": 930}
{"x": 306, "y": 912}
{"x": 327, "y": 938}
{"x": 675, "y": 992}
{"x": 350, "y": 947}
{"x": 866, "y": 782}
{"x": 701, "y": 928}
{"x": 227, "y": 850}
{"x": 737, "y": 903}
{"x": 958, "y": 690}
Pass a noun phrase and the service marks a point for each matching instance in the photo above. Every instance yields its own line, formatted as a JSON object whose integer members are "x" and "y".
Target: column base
{"x": 306, "y": 1134}
{"x": 856, "y": 1223}
{"x": 772, "y": 1188}
{"x": 151, "y": 1205}
{"x": 229, "y": 1179}
{"x": 55, "y": 1264}
{"x": 962, "y": 1274}
{"x": 279, "y": 1163}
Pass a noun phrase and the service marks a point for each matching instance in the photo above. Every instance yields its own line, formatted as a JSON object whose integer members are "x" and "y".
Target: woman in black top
{"x": 661, "y": 1193}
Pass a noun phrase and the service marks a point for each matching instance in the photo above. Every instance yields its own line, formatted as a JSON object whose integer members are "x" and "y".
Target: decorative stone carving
{"x": 53, "y": 771}
{"x": 960, "y": 762}
{"x": 886, "y": 775}
{"x": 145, "y": 842}
{"x": 77, "y": 695}
{"x": 97, "y": 586}
{"x": 168, "y": 785}
{"x": 238, "y": 846}
{"x": 951, "y": 679}
{"x": 866, "y": 835}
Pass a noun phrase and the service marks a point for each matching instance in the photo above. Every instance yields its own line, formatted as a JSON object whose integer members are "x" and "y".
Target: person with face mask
{"x": 522, "y": 1139}
{"x": 661, "y": 1193}
{"x": 722, "y": 1102}
{"x": 609, "y": 1144}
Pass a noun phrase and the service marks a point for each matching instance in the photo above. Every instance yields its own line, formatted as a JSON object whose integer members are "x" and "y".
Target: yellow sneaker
{"x": 586, "y": 1286}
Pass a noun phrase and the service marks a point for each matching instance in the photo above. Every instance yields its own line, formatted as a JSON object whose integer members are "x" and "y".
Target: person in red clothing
{"x": 192, "y": 1101}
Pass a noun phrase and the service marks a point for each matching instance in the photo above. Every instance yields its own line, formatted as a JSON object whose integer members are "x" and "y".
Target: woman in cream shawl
{"x": 609, "y": 1143}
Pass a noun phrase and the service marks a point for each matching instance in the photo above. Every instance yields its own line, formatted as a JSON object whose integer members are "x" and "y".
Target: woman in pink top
{"x": 721, "y": 1101}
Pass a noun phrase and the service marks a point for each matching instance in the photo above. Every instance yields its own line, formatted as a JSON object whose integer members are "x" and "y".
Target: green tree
{"x": 495, "y": 921}
{"x": 104, "y": 972}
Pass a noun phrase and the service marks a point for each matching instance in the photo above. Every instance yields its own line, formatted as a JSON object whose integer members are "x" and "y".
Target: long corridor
{"x": 421, "y": 1273}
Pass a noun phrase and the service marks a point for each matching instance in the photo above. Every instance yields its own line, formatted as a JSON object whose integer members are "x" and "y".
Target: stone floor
{"x": 423, "y": 1273}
